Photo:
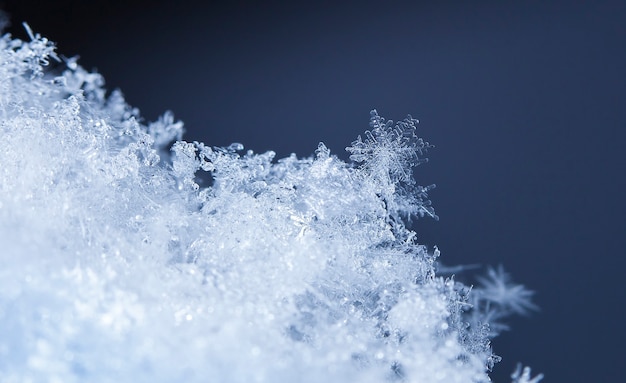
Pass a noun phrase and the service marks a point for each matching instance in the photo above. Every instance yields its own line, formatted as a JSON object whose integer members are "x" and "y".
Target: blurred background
{"x": 524, "y": 101}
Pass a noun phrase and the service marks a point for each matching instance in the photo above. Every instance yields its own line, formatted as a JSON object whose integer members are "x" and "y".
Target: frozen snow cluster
{"x": 116, "y": 265}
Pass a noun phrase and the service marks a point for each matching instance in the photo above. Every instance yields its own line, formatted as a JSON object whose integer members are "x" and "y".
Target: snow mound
{"x": 116, "y": 265}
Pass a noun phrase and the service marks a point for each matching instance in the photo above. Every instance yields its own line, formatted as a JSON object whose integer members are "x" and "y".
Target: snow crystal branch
{"x": 523, "y": 375}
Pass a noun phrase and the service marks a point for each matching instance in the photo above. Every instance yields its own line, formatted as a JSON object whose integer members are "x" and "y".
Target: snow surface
{"x": 116, "y": 265}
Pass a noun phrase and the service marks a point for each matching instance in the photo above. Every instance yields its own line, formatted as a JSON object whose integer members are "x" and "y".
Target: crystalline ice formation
{"x": 116, "y": 266}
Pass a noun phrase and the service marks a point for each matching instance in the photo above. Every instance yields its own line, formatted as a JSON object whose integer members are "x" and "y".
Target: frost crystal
{"x": 117, "y": 265}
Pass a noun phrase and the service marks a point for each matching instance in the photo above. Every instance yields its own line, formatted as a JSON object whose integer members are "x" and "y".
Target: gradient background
{"x": 524, "y": 101}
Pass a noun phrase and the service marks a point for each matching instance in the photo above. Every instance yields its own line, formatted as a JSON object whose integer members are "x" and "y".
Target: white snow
{"x": 116, "y": 265}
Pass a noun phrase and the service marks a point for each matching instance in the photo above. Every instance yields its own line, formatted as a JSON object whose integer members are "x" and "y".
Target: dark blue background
{"x": 524, "y": 101}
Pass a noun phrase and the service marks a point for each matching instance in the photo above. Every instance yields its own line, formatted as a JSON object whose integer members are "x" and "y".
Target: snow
{"x": 118, "y": 265}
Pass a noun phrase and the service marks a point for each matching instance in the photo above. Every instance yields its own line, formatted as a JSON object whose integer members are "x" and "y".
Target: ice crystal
{"x": 387, "y": 156}
{"x": 117, "y": 264}
{"x": 523, "y": 375}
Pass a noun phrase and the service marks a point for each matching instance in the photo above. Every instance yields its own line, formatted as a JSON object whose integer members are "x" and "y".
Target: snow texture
{"x": 116, "y": 265}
